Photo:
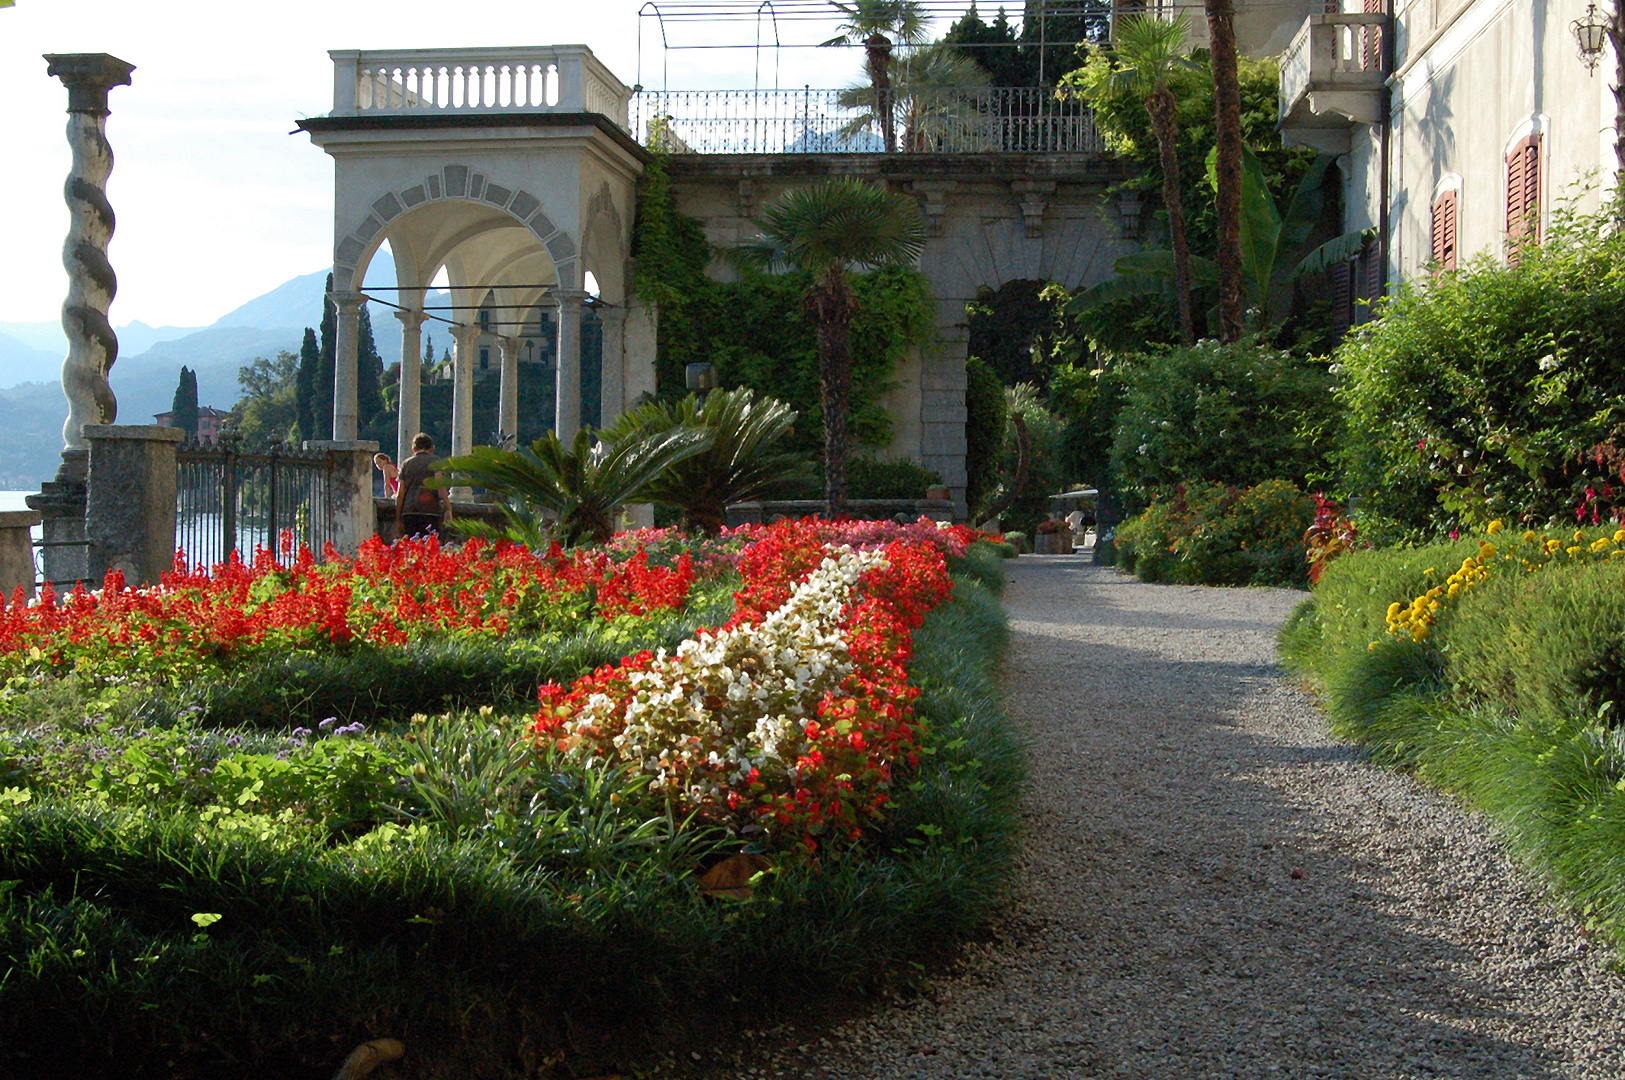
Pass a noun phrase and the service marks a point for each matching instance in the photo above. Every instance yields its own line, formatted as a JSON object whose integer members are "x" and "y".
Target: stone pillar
{"x": 411, "y": 387}
{"x": 462, "y": 397}
{"x": 942, "y": 401}
{"x": 92, "y": 345}
{"x": 130, "y": 501}
{"x": 346, "y": 359}
{"x": 355, "y": 518}
{"x": 638, "y": 335}
{"x": 508, "y": 394}
{"x": 612, "y": 379}
{"x": 17, "y": 552}
{"x": 567, "y": 400}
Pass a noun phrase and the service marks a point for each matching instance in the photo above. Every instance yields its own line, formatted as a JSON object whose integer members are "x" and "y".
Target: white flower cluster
{"x": 734, "y": 700}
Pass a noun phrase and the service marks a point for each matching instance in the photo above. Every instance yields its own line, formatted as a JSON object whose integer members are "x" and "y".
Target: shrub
{"x": 1209, "y": 534}
{"x": 1226, "y": 414}
{"x": 986, "y": 417}
{"x": 1479, "y": 393}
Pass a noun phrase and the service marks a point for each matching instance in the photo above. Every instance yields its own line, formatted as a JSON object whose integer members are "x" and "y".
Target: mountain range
{"x": 144, "y": 377}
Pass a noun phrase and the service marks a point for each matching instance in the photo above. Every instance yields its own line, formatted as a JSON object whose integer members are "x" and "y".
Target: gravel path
{"x": 1213, "y": 887}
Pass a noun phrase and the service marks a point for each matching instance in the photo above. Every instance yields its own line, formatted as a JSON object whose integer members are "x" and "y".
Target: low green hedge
{"x": 1512, "y": 700}
{"x": 584, "y": 949}
{"x": 1211, "y": 534}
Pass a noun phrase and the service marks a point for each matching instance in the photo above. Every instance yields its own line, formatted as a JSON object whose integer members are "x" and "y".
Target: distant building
{"x": 210, "y": 422}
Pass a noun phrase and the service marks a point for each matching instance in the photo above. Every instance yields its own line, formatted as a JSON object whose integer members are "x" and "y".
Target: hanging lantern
{"x": 1591, "y": 34}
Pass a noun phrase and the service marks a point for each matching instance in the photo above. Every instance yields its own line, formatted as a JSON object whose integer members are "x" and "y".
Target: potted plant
{"x": 1053, "y": 538}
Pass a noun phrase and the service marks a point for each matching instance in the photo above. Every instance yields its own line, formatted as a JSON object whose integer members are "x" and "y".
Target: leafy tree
{"x": 268, "y": 408}
{"x": 992, "y": 47}
{"x": 879, "y": 26}
{"x": 1047, "y": 44}
{"x": 921, "y": 93}
{"x": 369, "y": 372}
{"x": 1145, "y": 59}
{"x": 830, "y": 229}
{"x": 1227, "y": 145}
{"x": 581, "y": 486}
{"x": 743, "y": 460}
{"x": 183, "y": 408}
{"x": 322, "y": 400}
{"x": 310, "y": 360}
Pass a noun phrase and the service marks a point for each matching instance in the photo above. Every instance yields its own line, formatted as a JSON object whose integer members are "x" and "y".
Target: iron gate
{"x": 228, "y": 498}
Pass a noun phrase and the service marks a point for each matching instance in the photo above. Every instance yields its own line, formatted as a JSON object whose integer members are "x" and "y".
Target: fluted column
{"x": 346, "y": 353}
{"x": 567, "y": 389}
{"x": 410, "y": 410}
{"x": 611, "y": 380}
{"x": 92, "y": 345}
{"x": 462, "y": 396}
{"x": 508, "y": 393}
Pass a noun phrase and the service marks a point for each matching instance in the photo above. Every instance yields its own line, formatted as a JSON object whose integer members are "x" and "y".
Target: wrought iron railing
{"x": 935, "y": 120}
{"x": 228, "y": 498}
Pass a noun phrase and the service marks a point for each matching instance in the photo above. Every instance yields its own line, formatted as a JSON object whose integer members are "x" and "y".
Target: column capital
{"x": 411, "y": 318}
{"x": 574, "y": 297}
{"x": 88, "y": 77}
{"x": 611, "y": 313}
{"x": 465, "y": 333}
{"x": 341, "y": 300}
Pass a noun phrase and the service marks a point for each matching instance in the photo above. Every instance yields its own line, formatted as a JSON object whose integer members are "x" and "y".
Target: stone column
{"x": 17, "y": 552}
{"x": 567, "y": 399}
{"x": 92, "y": 345}
{"x": 462, "y": 397}
{"x": 508, "y": 402}
{"x": 355, "y": 517}
{"x": 130, "y": 501}
{"x": 411, "y": 386}
{"x": 346, "y": 352}
{"x": 611, "y": 380}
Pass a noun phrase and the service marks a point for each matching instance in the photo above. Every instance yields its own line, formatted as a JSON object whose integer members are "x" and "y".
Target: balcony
{"x": 547, "y": 79}
{"x": 1332, "y": 78}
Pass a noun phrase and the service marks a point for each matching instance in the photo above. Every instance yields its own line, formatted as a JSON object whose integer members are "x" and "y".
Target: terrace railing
{"x": 936, "y": 120}
{"x": 231, "y": 499}
{"x": 559, "y": 78}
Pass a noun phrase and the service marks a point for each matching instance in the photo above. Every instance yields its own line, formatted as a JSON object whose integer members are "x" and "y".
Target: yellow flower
{"x": 1579, "y": 536}
{"x": 1530, "y": 537}
{"x": 1486, "y": 551}
{"x": 1574, "y": 552}
{"x": 1619, "y": 537}
{"x": 1600, "y": 545}
{"x": 1430, "y": 570}
{"x": 1393, "y": 609}
{"x": 1495, "y": 527}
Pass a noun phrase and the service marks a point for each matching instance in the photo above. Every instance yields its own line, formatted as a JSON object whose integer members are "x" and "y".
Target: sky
{"x": 216, "y": 201}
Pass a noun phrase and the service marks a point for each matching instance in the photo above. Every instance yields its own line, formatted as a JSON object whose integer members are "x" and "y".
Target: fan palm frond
{"x": 843, "y": 222}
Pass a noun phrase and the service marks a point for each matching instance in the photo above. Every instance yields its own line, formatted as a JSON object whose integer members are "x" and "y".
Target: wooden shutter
{"x": 1523, "y": 195}
{"x": 1341, "y": 287}
{"x": 1445, "y": 226}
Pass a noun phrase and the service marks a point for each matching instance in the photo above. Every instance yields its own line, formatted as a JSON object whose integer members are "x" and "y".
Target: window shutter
{"x": 1341, "y": 288}
{"x": 1444, "y": 230}
{"x": 1523, "y": 195}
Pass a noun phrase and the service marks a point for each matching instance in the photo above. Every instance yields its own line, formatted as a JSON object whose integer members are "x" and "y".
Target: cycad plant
{"x": 582, "y": 486}
{"x": 829, "y": 229}
{"x": 742, "y": 460}
{"x": 880, "y": 25}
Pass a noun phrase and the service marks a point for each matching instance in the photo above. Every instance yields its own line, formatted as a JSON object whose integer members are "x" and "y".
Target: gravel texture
{"x": 1213, "y": 887}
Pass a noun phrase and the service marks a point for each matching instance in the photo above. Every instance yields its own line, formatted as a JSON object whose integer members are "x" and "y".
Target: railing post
{"x": 130, "y": 501}
{"x": 228, "y": 502}
{"x": 345, "y": 99}
{"x": 275, "y": 537}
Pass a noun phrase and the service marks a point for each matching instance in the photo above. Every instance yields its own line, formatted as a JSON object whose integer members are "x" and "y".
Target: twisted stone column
{"x": 92, "y": 345}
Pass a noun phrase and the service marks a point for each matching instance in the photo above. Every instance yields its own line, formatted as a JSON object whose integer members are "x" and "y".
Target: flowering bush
{"x": 1210, "y": 534}
{"x": 787, "y": 720}
{"x": 1330, "y": 535}
{"x": 197, "y": 619}
{"x": 1415, "y": 620}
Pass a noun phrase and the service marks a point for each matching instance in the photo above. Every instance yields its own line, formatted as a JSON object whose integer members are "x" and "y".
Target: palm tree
{"x": 1147, "y": 51}
{"x": 830, "y": 229}
{"x": 923, "y": 91}
{"x": 582, "y": 486}
{"x": 879, "y": 25}
{"x": 741, "y": 462}
{"x": 1221, "y": 21}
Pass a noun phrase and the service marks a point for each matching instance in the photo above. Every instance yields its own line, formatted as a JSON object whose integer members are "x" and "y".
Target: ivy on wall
{"x": 756, "y": 330}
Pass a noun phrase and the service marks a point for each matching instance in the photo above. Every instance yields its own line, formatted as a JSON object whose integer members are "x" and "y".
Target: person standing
{"x": 420, "y": 510}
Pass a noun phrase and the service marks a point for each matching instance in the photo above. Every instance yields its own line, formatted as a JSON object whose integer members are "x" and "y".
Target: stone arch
{"x": 605, "y": 244}
{"x": 455, "y": 182}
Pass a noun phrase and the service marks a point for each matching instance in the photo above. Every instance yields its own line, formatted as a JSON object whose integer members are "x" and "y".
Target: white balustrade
{"x": 559, "y": 78}
{"x": 1334, "y": 52}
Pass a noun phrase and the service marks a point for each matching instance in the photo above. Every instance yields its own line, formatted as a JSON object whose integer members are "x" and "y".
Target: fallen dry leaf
{"x": 730, "y": 878}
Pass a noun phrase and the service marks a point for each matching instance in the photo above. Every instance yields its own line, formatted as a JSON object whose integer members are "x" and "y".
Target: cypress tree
{"x": 369, "y": 373}
{"x": 322, "y": 401}
{"x": 304, "y": 392}
{"x": 183, "y": 409}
